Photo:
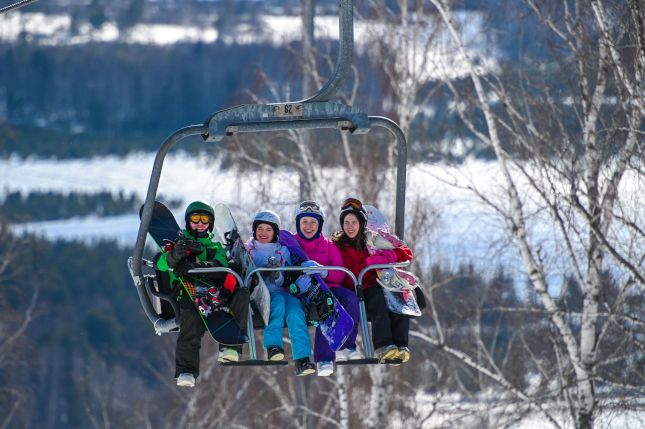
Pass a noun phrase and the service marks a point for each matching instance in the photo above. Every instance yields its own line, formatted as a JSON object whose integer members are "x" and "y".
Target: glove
{"x": 272, "y": 276}
{"x": 381, "y": 257}
{"x": 229, "y": 283}
{"x": 253, "y": 283}
{"x": 175, "y": 255}
{"x": 183, "y": 267}
{"x": 191, "y": 247}
{"x": 204, "y": 264}
{"x": 321, "y": 272}
{"x": 403, "y": 253}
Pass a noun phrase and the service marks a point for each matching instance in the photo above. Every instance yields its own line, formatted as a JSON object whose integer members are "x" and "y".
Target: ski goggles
{"x": 352, "y": 203}
{"x": 197, "y": 217}
{"x": 309, "y": 207}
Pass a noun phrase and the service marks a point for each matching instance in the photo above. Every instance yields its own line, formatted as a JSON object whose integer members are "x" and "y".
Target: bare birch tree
{"x": 568, "y": 147}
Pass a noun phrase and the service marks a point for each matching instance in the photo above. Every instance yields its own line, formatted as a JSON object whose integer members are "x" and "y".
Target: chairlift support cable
{"x": 315, "y": 112}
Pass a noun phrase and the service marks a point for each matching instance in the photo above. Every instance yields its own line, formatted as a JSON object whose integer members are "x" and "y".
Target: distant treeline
{"x": 41, "y": 206}
{"x": 116, "y": 88}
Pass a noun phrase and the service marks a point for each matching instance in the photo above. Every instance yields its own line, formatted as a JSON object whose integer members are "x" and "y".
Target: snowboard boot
{"x": 386, "y": 353}
{"x": 353, "y": 354}
{"x": 228, "y": 354}
{"x": 275, "y": 353}
{"x": 342, "y": 355}
{"x": 186, "y": 379}
{"x": 404, "y": 354}
{"x": 325, "y": 369}
{"x": 348, "y": 354}
{"x": 304, "y": 367}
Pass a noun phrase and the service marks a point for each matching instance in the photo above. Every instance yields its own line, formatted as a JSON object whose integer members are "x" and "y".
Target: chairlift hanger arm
{"x": 16, "y": 5}
{"x": 280, "y": 116}
{"x": 345, "y": 52}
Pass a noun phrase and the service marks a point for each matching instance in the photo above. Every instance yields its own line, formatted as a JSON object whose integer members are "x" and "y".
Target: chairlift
{"x": 315, "y": 112}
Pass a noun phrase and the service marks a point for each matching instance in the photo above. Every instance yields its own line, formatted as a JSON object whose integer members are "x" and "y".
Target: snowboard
{"x": 335, "y": 323}
{"x": 375, "y": 219}
{"x": 229, "y": 235}
{"x": 219, "y": 322}
{"x": 397, "y": 285}
{"x": 391, "y": 278}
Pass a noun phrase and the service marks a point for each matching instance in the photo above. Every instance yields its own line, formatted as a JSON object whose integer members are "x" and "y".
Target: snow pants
{"x": 387, "y": 327}
{"x": 192, "y": 328}
{"x": 285, "y": 306}
{"x": 349, "y": 300}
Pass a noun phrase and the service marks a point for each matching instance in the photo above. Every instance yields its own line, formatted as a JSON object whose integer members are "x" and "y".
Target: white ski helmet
{"x": 269, "y": 217}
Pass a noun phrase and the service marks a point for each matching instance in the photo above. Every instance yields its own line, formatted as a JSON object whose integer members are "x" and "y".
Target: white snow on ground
{"x": 187, "y": 178}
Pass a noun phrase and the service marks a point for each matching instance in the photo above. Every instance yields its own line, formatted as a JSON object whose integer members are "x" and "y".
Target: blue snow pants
{"x": 287, "y": 307}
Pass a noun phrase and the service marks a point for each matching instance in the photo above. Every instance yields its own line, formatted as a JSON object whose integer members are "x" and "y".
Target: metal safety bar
{"x": 358, "y": 288}
{"x": 259, "y": 270}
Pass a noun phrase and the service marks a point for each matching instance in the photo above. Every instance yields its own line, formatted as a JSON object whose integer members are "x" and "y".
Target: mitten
{"x": 229, "y": 283}
{"x": 403, "y": 253}
{"x": 381, "y": 257}
{"x": 323, "y": 273}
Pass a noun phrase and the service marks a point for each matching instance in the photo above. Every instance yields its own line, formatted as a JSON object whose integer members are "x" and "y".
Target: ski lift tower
{"x": 315, "y": 112}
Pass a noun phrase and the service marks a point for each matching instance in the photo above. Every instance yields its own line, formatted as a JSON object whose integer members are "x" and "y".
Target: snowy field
{"x": 466, "y": 235}
{"x": 465, "y": 230}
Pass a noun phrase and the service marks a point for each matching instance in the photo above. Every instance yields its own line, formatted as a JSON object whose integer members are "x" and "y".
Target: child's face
{"x": 308, "y": 226}
{"x": 264, "y": 233}
{"x": 351, "y": 225}
{"x": 199, "y": 226}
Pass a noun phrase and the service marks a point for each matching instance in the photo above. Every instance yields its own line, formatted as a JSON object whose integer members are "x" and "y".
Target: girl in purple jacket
{"x": 309, "y": 223}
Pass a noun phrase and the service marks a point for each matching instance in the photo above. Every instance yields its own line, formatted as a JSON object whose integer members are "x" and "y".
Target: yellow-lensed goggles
{"x": 197, "y": 217}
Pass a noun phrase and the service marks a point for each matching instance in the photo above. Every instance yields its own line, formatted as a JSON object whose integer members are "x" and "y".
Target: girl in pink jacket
{"x": 309, "y": 221}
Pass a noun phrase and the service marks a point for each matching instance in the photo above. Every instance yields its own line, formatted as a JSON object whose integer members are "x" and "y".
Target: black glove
{"x": 253, "y": 283}
{"x": 177, "y": 254}
{"x": 191, "y": 247}
{"x": 183, "y": 267}
{"x": 205, "y": 264}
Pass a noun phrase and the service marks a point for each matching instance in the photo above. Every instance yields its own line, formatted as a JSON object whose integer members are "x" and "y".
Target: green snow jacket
{"x": 213, "y": 251}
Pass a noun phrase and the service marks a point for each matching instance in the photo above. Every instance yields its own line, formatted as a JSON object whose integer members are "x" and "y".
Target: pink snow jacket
{"x": 324, "y": 252}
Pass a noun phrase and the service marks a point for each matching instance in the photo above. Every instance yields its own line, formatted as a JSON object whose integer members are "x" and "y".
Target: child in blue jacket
{"x": 265, "y": 250}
